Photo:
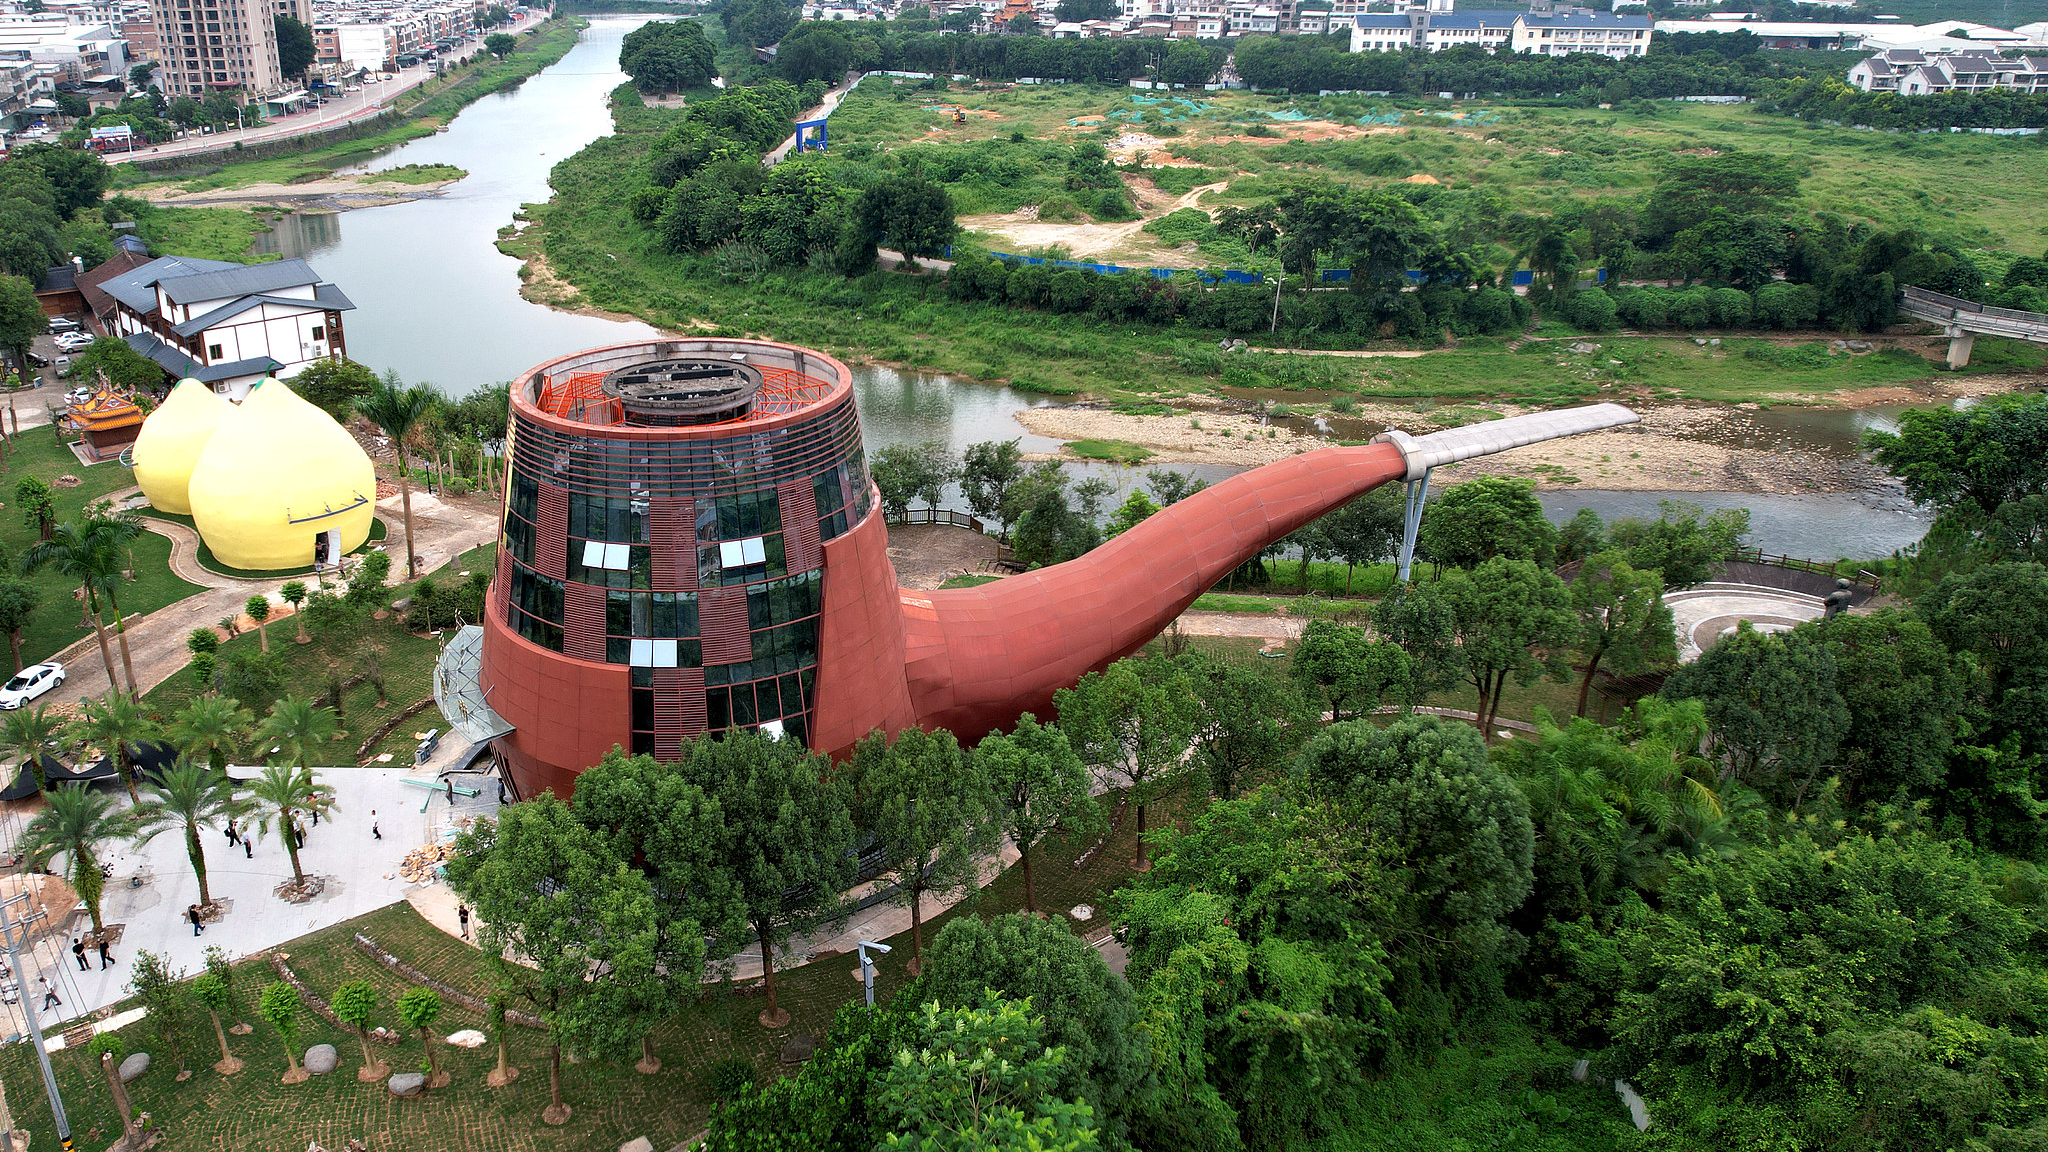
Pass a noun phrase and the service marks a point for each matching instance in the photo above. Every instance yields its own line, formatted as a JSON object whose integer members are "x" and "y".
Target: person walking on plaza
{"x": 192, "y": 914}
{"x": 462, "y": 914}
{"x": 233, "y": 837}
{"x": 50, "y": 999}
{"x": 248, "y": 848}
{"x": 106, "y": 959}
{"x": 374, "y": 833}
{"x": 78, "y": 952}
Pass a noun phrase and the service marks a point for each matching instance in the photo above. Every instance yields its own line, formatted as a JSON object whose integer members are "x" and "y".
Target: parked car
{"x": 30, "y": 683}
{"x": 62, "y": 324}
{"x": 78, "y": 396}
{"x": 62, "y": 364}
{"x": 38, "y": 360}
{"x": 74, "y": 341}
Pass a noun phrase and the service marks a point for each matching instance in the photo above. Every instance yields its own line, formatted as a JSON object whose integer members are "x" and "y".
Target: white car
{"x": 73, "y": 341}
{"x": 30, "y": 683}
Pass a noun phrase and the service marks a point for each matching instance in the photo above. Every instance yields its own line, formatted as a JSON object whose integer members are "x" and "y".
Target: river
{"x": 437, "y": 302}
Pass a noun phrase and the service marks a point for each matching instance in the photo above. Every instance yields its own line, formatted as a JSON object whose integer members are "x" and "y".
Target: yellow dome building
{"x": 171, "y": 441}
{"x": 281, "y": 485}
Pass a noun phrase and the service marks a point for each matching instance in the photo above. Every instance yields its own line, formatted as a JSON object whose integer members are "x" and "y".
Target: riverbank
{"x": 418, "y": 112}
{"x": 1677, "y": 447}
{"x": 333, "y": 194}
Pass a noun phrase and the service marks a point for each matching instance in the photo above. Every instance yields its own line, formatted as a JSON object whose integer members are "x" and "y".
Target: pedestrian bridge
{"x": 1964, "y": 320}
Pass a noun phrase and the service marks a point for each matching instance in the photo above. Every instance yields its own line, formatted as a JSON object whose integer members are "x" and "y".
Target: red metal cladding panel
{"x": 551, "y": 532}
{"x": 668, "y": 713}
{"x": 691, "y": 699}
{"x": 860, "y": 683}
{"x": 685, "y": 555}
{"x": 722, "y": 622}
{"x": 800, "y": 525}
{"x": 668, "y": 522}
{"x": 566, "y": 713}
{"x": 501, "y": 590}
{"x": 979, "y": 657}
{"x": 582, "y": 622}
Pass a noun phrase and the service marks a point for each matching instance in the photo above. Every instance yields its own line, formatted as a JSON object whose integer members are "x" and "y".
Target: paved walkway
{"x": 152, "y": 886}
{"x": 1705, "y": 613}
{"x": 831, "y": 101}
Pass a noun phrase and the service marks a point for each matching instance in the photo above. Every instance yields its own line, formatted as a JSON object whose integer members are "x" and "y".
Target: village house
{"x": 1911, "y": 72}
{"x": 228, "y": 325}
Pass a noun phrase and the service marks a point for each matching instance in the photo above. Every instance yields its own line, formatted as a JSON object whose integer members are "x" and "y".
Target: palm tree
{"x": 28, "y": 733}
{"x": 279, "y": 797}
{"x": 191, "y": 797}
{"x": 75, "y": 824}
{"x": 119, "y": 529}
{"x": 210, "y": 728}
{"x": 90, "y": 558}
{"x": 396, "y": 410}
{"x": 115, "y": 723}
{"x": 298, "y": 729}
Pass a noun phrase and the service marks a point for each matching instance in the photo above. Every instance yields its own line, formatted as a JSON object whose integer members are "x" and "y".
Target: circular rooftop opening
{"x": 679, "y": 392}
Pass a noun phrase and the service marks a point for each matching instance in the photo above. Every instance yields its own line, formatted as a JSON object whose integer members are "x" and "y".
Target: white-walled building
{"x": 1543, "y": 30}
{"x": 1876, "y": 35}
{"x": 1911, "y": 72}
{"x": 229, "y": 325}
{"x": 73, "y": 53}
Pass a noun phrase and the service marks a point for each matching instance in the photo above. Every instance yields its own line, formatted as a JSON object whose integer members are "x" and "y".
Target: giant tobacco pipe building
{"x": 691, "y": 542}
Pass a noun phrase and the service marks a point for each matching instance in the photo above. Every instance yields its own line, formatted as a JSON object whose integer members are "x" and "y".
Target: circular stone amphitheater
{"x": 1771, "y": 597}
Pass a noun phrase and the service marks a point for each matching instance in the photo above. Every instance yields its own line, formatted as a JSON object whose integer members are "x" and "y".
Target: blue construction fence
{"x": 1523, "y": 277}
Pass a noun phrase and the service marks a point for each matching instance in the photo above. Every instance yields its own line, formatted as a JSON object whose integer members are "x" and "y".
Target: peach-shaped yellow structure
{"x": 281, "y": 485}
{"x": 171, "y": 440}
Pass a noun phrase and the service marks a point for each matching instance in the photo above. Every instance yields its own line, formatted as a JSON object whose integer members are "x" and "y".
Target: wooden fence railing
{"x": 1794, "y": 563}
{"x": 944, "y": 516}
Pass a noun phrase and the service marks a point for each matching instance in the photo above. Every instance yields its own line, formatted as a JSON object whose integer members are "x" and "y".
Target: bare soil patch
{"x": 926, "y": 555}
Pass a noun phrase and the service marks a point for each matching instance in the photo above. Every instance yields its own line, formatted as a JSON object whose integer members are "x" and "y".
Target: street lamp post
{"x": 35, "y": 1027}
{"x": 867, "y": 972}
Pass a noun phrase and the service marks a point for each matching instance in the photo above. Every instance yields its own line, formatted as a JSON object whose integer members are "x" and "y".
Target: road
{"x": 362, "y": 105}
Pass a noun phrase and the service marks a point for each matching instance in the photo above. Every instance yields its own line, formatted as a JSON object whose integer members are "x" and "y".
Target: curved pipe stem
{"x": 977, "y": 658}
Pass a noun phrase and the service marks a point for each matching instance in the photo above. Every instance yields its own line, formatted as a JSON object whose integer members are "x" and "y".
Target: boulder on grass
{"x": 133, "y": 1067}
{"x": 322, "y": 1059}
{"x": 407, "y": 1083}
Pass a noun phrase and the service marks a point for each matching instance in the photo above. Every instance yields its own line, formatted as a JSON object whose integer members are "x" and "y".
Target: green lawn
{"x": 56, "y": 621}
{"x": 407, "y": 662}
{"x": 254, "y": 1113}
{"x": 1114, "y": 451}
{"x": 207, "y": 233}
{"x": 211, "y": 563}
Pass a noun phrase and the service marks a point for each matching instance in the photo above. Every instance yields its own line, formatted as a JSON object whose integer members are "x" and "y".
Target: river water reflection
{"x": 439, "y": 303}
{"x": 435, "y": 299}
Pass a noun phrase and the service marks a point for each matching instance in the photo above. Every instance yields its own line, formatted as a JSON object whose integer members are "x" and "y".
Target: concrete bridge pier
{"x": 1959, "y": 344}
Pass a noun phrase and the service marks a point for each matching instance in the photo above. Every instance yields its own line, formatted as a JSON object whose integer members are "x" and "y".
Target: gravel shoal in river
{"x": 1675, "y": 448}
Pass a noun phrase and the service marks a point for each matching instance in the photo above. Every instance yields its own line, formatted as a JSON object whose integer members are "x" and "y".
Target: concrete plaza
{"x": 153, "y": 885}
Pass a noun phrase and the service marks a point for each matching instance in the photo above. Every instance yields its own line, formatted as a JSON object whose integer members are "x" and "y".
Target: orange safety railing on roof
{"x": 581, "y": 396}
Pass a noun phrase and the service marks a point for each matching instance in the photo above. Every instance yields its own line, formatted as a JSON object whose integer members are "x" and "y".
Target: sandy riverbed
{"x": 334, "y": 194}
{"x": 1677, "y": 447}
